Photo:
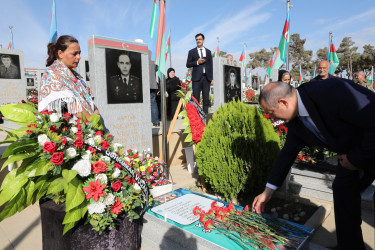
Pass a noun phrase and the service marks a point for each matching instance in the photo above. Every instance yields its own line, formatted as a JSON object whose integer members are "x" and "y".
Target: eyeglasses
{"x": 197, "y": 39}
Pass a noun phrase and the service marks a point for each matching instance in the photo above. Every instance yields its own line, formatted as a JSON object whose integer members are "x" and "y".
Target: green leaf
{"x": 69, "y": 226}
{"x": 12, "y": 188}
{"x": 72, "y": 215}
{"x": 56, "y": 186}
{"x": 96, "y": 123}
{"x": 187, "y": 130}
{"x": 29, "y": 189}
{"x": 17, "y": 204}
{"x": 183, "y": 113}
{"x": 186, "y": 121}
{"x": 42, "y": 168}
{"x": 42, "y": 185}
{"x": 22, "y": 114}
{"x": 69, "y": 175}
{"x": 8, "y": 178}
{"x": 74, "y": 195}
{"x": 16, "y": 158}
{"x": 14, "y": 148}
{"x": 189, "y": 138}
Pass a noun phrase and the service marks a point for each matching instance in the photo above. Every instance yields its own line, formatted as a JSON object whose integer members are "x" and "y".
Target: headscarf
{"x": 169, "y": 71}
{"x": 59, "y": 85}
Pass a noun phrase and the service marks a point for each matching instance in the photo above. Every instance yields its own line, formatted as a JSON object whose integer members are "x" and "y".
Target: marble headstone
{"x": 12, "y": 77}
{"x": 127, "y": 116}
{"x": 84, "y": 68}
{"x": 220, "y": 66}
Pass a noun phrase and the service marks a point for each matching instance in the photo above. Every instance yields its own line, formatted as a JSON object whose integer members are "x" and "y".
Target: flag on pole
{"x": 333, "y": 59}
{"x": 266, "y": 80}
{"x": 160, "y": 40}
{"x": 11, "y": 44}
{"x": 314, "y": 75}
{"x": 278, "y": 58}
{"x": 216, "y": 53}
{"x": 371, "y": 76}
{"x": 243, "y": 60}
{"x": 153, "y": 18}
{"x": 168, "y": 49}
{"x": 53, "y": 24}
{"x": 248, "y": 78}
{"x": 300, "y": 75}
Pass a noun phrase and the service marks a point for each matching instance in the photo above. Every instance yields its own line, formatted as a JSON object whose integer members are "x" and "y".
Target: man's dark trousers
{"x": 202, "y": 85}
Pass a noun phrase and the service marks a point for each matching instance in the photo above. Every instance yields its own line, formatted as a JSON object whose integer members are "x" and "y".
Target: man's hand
{"x": 201, "y": 60}
{"x": 345, "y": 162}
{"x": 212, "y": 82}
{"x": 261, "y": 200}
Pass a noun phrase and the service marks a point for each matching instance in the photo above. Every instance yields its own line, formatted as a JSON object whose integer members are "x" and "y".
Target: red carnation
{"x": 116, "y": 208}
{"x": 197, "y": 210}
{"x": 64, "y": 141}
{"x": 29, "y": 131}
{"x": 99, "y": 167}
{"x": 116, "y": 186}
{"x": 78, "y": 143}
{"x": 196, "y": 124}
{"x": 79, "y": 120}
{"x": 78, "y": 127}
{"x": 99, "y": 133}
{"x": 105, "y": 144}
{"x": 208, "y": 224}
{"x": 109, "y": 136}
{"x": 31, "y": 125}
{"x": 44, "y": 112}
{"x": 92, "y": 150}
{"x": 23, "y": 101}
{"x": 80, "y": 134}
{"x": 94, "y": 190}
{"x": 67, "y": 115}
{"x": 118, "y": 166}
{"x": 53, "y": 128}
{"x": 130, "y": 180}
{"x": 49, "y": 147}
{"x": 57, "y": 158}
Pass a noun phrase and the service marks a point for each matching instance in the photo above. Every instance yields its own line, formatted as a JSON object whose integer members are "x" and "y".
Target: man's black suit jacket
{"x": 344, "y": 113}
{"x": 192, "y": 59}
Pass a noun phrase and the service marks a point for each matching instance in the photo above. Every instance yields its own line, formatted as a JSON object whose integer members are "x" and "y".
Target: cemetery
{"x": 107, "y": 177}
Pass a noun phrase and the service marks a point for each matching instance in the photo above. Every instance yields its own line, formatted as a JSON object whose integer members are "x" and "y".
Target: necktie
{"x": 204, "y": 70}
{"x": 124, "y": 80}
{"x": 201, "y": 53}
{"x": 312, "y": 129}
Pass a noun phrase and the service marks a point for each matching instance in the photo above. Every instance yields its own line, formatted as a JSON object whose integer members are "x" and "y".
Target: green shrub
{"x": 237, "y": 150}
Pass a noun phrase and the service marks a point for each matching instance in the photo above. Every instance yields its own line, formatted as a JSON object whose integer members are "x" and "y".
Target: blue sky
{"x": 258, "y": 23}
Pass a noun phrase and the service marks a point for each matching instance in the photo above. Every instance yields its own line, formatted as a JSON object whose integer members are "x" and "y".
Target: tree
{"x": 260, "y": 59}
{"x": 347, "y": 54}
{"x": 321, "y": 55}
{"x": 367, "y": 58}
{"x": 298, "y": 56}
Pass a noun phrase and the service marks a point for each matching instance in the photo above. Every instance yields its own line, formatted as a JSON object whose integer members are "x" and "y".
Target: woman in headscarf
{"x": 173, "y": 84}
{"x": 284, "y": 76}
{"x": 62, "y": 88}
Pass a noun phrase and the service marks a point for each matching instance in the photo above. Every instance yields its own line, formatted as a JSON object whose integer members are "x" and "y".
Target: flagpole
{"x": 245, "y": 47}
{"x": 11, "y": 38}
{"x": 170, "y": 48}
{"x": 329, "y": 44}
{"x": 288, "y": 6}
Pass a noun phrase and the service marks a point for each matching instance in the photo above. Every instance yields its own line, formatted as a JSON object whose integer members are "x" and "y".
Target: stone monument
{"x": 12, "y": 77}
{"x": 119, "y": 80}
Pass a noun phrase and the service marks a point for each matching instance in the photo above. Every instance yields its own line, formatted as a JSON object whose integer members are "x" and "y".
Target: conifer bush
{"x": 237, "y": 150}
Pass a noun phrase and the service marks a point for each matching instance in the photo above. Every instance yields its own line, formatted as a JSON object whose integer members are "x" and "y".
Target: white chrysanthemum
{"x": 148, "y": 155}
{"x": 148, "y": 149}
{"x": 90, "y": 141}
{"x": 54, "y": 117}
{"x": 116, "y": 146}
{"x": 91, "y": 133}
{"x": 137, "y": 187}
{"x": 87, "y": 156}
{"x": 96, "y": 208}
{"x": 156, "y": 158}
{"x": 83, "y": 167}
{"x": 105, "y": 158}
{"x": 109, "y": 199}
{"x": 97, "y": 138}
{"x": 127, "y": 159}
{"x": 102, "y": 177}
{"x": 74, "y": 130}
{"x": 116, "y": 173}
{"x": 71, "y": 152}
{"x": 43, "y": 139}
{"x": 73, "y": 121}
{"x": 135, "y": 151}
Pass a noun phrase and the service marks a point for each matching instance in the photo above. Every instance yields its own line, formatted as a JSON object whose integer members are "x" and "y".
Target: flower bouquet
{"x": 72, "y": 161}
{"x": 249, "y": 95}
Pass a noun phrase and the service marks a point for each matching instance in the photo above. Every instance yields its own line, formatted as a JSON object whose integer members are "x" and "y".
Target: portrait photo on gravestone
{"x": 30, "y": 82}
{"x": 87, "y": 70}
{"x": 232, "y": 83}
{"x": 9, "y": 66}
{"x": 124, "y": 76}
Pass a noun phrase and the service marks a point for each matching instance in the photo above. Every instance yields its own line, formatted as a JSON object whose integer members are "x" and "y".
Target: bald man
{"x": 323, "y": 71}
{"x": 345, "y": 128}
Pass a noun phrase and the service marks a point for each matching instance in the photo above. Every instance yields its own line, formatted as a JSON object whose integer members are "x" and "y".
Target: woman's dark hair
{"x": 169, "y": 71}
{"x": 282, "y": 73}
{"x": 61, "y": 44}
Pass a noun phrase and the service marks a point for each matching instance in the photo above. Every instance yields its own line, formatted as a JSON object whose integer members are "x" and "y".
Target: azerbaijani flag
{"x": 333, "y": 59}
{"x": 11, "y": 44}
{"x": 160, "y": 40}
{"x": 266, "y": 80}
{"x": 168, "y": 49}
{"x": 314, "y": 74}
{"x": 53, "y": 24}
{"x": 300, "y": 75}
{"x": 243, "y": 60}
{"x": 153, "y": 18}
{"x": 371, "y": 76}
{"x": 216, "y": 53}
{"x": 248, "y": 78}
{"x": 278, "y": 58}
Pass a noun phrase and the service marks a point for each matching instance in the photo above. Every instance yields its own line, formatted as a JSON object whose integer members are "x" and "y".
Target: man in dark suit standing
{"x": 125, "y": 87}
{"x": 339, "y": 115}
{"x": 200, "y": 59}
